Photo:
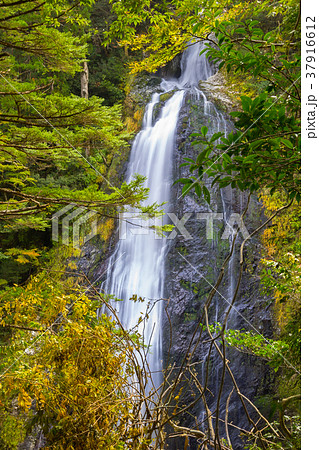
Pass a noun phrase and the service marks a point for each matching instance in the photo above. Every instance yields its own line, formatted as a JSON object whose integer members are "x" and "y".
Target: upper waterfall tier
{"x": 194, "y": 68}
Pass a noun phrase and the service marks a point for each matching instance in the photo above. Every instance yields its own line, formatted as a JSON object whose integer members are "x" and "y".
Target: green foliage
{"x": 275, "y": 443}
{"x": 157, "y": 28}
{"x": 264, "y": 151}
{"x": 106, "y": 63}
{"x": 251, "y": 159}
{"x": 55, "y": 147}
{"x": 273, "y": 351}
{"x": 280, "y": 271}
{"x": 107, "y": 77}
{"x": 44, "y": 131}
{"x": 12, "y": 432}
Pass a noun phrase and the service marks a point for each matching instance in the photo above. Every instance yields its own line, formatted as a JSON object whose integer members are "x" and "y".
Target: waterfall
{"x": 145, "y": 266}
{"x": 137, "y": 266}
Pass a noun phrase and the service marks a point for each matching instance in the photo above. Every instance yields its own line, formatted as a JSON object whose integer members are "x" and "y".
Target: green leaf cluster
{"x": 274, "y": 351}
{"x": 56, "y": 148}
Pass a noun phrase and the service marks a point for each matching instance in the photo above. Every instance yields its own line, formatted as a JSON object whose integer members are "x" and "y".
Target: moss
{"x": 167, "y": 96}
{"x": 190, "y": 317}
{"x": 12, "y": 432}
{"x": 236, "y": 85}
{"x": 182, "y": 250}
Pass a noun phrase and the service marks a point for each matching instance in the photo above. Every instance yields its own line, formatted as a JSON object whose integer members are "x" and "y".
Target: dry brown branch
{"x": 226, "y": 418}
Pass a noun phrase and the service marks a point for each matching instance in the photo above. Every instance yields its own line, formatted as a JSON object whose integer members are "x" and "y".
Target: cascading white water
{"x": 137, "y": 266}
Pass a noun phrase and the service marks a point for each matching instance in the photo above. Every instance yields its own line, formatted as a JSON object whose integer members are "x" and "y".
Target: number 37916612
{"x": 310, "y": 47}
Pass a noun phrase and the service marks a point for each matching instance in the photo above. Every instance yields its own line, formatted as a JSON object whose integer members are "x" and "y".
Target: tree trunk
{"x": 85, "y": 81}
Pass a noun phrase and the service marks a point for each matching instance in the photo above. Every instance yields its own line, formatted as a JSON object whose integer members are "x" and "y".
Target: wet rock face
{"x": 172, "y": 69}
{"x": 214, "y": 88}
{"x": 143, "y": 87}
{"x": 193, "y": 266}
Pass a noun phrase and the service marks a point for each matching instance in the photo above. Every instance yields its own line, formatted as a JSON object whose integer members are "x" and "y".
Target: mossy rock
{"x": 167, "y": 95}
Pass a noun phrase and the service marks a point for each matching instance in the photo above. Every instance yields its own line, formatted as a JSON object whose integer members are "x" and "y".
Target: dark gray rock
{"x": 172, "y": 69}
{"x": 192, "y": 269}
